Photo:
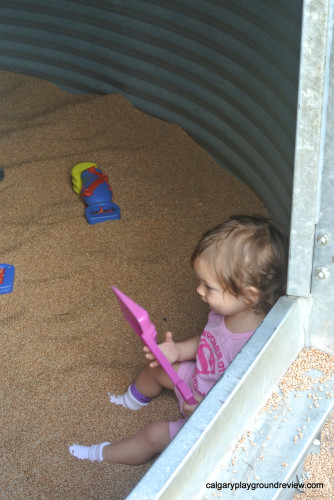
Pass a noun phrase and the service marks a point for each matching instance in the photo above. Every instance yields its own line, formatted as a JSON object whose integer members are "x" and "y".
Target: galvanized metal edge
{"x": 273, "y": 449}
{"x": 316, "y": 17}
{"x": 322, "y": 286}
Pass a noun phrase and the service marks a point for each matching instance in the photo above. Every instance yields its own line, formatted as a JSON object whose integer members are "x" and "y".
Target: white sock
{"x": 127, "y": 400}
{"x": 116, "y": 399}
{"x": 93, "y": 453}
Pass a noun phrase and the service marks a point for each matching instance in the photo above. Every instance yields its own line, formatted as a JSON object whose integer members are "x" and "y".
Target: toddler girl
{"x": 241, "y": 267}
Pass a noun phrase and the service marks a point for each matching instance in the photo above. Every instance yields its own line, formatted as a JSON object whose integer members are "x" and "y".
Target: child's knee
{"x": 157, "y": 434}
{"x": 159, "y": 375}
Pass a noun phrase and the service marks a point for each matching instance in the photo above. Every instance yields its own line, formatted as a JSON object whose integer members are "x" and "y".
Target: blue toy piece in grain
{"x": 96, "y": 193}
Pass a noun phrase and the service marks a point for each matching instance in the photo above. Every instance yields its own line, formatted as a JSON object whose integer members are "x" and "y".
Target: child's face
{"x": 210, "y": 290}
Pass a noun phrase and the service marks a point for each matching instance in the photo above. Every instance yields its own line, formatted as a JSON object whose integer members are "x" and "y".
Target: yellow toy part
{"x": 76, "y": 175}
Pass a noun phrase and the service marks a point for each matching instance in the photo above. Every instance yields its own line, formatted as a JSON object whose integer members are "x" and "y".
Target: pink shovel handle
{"x": 168, "y": 368}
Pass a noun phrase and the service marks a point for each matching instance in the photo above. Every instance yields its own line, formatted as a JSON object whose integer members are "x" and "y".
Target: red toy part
{"x": 101, "y": 178}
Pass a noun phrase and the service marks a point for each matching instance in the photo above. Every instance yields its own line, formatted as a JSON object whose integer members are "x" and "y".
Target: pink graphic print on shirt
{"x": 205, "y": 359}
{"x": 209, "y": 363}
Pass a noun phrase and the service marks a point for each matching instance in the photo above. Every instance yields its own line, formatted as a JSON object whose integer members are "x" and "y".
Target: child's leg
{"x": 148, "y": 384}
{"x": 151, "y": 381}
{"x": 135, "y": 450}
{"x": 141, "y": 447}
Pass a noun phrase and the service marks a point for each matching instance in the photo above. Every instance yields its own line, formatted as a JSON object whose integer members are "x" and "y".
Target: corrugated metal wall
{"x": 225, "y": 70}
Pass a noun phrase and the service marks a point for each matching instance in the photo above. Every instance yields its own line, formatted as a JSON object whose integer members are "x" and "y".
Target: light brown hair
{"x": 248, "y": 251}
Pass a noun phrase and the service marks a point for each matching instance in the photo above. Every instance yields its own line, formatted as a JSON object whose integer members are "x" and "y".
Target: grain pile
{"x": 299, "y": 377}
{"x": 319, "y": 467}
{"x": 64, "y": 344}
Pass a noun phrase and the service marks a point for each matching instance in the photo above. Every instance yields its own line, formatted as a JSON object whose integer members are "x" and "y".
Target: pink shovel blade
{"x": 140, "y": 322}
{"x": 135, "y": 315}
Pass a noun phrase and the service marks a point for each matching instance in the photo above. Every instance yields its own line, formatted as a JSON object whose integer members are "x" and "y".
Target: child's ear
{"x": 251, "y": 293}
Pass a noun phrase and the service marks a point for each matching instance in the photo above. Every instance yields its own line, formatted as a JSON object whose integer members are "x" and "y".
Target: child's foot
{"x": 93, "y": 453}
{"x": 132, "y": 399}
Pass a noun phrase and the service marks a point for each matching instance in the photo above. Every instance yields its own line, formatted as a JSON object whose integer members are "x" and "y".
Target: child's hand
{"x": 189, "y": 409}
{"x": 169, "y": 349}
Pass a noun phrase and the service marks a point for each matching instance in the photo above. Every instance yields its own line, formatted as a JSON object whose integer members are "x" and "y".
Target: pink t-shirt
{"x": 217, "y": 348}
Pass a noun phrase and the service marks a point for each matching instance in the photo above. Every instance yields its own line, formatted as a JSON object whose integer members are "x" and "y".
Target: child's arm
{"x": 175, "y": 351}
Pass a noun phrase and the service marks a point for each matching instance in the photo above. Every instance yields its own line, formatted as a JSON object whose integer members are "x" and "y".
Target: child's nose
{"x": 200, "y": 290}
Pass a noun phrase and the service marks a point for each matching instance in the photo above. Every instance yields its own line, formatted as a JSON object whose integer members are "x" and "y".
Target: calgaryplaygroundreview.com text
{"x": 254, "y": 486}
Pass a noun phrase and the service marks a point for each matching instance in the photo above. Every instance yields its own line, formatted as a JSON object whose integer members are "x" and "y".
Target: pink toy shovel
{"x": 140, "y": 322}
